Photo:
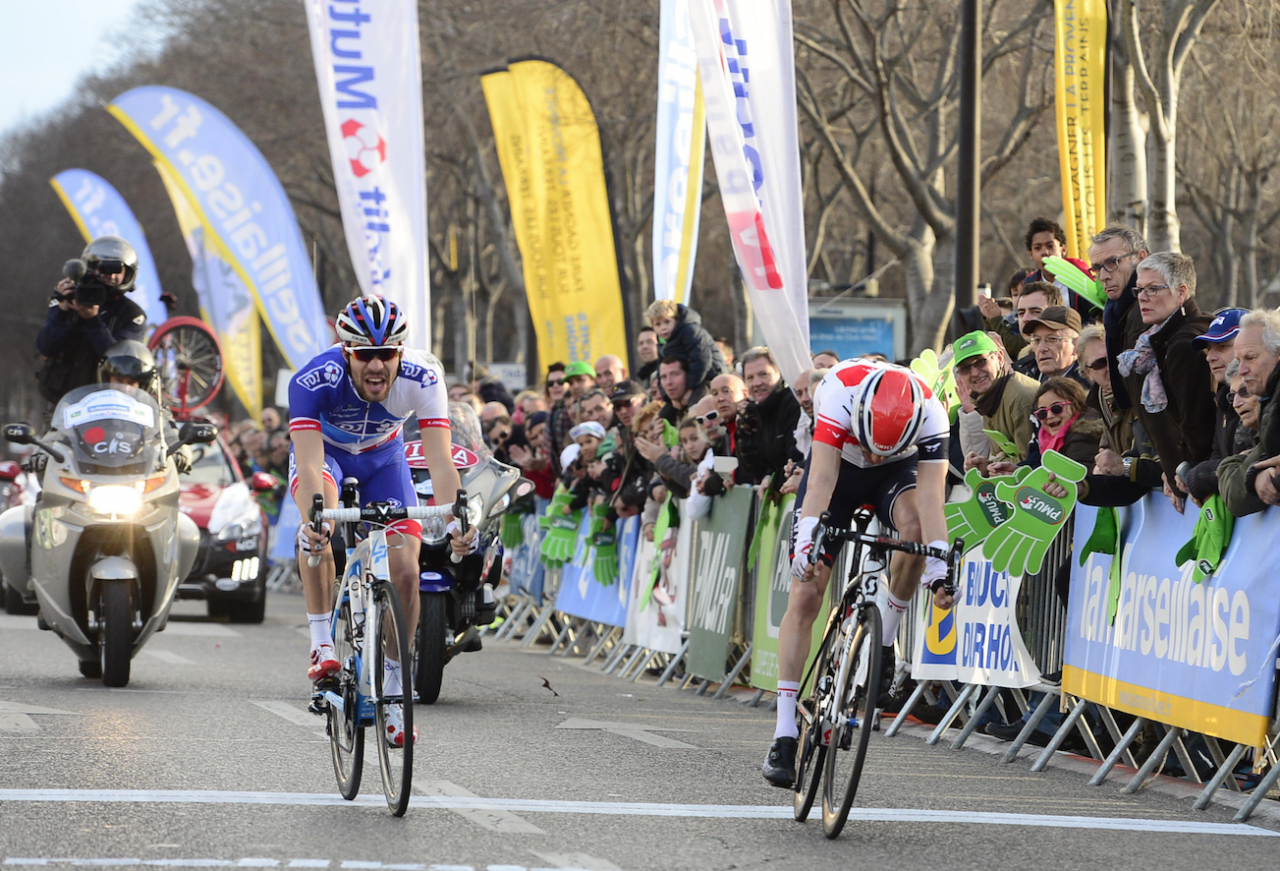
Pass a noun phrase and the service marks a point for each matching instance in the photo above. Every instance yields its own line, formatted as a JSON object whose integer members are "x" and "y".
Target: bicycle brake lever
{"x": 317, "y": 505}
{"x": 464, "y": 522}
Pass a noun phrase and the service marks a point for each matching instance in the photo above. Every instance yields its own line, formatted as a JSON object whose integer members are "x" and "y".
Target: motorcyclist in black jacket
{"x": 88, "y": 314}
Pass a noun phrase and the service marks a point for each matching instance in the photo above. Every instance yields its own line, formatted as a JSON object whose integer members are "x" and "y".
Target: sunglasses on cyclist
{"x": 368, "y": 355}
{"x": 1055, "y": 409}
{"x": 710, "y": 416}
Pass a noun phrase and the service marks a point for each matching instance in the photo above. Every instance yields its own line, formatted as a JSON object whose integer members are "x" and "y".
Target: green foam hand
{"x": 1076, "y": 279}
{"x": 559, "y": 498}
{"x": 562, "y": 531}
{"x": 604, "y": 546}
{"x": 1209, "y": 541}
{"x": 977, "y": 517}
{"x": 511, "y": 532}
{"x": 660, "y": 527}
{"x": 670, "y": 435}
{"x": 941, "y": 379}
{"x": 1002, "y": 443}
{"x": 1018, "y": 546}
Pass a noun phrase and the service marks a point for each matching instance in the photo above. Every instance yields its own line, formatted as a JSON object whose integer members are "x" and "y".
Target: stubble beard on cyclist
{"x": 373, "y": 385}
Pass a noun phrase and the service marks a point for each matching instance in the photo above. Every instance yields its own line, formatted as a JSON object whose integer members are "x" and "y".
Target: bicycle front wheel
{"x": 391, "y": 646}
{"x": 811, "y": 750}
{"x": 853, "y": 711}
{"x": 346, "y": 736}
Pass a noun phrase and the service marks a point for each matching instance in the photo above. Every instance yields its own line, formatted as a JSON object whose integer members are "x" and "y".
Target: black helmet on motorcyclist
{"x": 128, "y": 361}
{"x": 111, "y": 255}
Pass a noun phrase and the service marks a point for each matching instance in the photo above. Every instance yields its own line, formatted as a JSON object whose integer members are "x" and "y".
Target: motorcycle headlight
{"x": 115, "y": 499}
{"x": 434, "y": 530}
{"x": 503, "y": 504}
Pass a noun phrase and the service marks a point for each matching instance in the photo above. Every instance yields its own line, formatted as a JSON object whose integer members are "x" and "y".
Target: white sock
{"x": 894, "y": 608}
{"x": 320, "y": 634}
{"x": 391, "y": 678}
{"x": 787, "y": 692}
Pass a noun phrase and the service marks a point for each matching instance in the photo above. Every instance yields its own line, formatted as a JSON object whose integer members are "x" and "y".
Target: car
{"x": 230, "y": 571}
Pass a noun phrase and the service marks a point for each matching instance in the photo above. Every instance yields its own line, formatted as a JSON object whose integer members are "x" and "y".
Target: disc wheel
{"x": 811, "y": 753}
{"x": 346, "y": 736}
{"x": 115, "y": 632}
{"x": 429, "y": 652}
{"x": 390, "y": 643}
{"x": 189, "y": 357}
{"x": 853, "y": 712}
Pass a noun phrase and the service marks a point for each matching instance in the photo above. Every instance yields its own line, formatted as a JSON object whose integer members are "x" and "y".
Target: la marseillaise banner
{"x": 549, "y": 148}
{"x": 1080, "y": 49}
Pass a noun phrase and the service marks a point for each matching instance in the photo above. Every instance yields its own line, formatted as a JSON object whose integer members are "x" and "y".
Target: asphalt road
{"x": 208, "y": 758}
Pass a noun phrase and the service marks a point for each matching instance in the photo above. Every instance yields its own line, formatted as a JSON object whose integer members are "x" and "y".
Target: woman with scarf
{"x": 1165, "y": 376}
{"x": 1064, "y": 423}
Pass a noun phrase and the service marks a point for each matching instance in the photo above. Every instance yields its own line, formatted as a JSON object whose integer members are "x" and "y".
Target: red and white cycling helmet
{"x": 372, "y": 321}
{"x": 888, "y": 408}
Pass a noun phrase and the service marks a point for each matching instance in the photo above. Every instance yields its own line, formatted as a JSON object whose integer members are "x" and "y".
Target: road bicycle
{"x": 368, "y": 627}
{"x": 839, "y": 714}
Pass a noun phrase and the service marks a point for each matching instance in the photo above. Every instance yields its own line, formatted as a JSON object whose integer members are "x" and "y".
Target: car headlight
{"x": 245, "y": 526}
{"x": 115, "y": 499}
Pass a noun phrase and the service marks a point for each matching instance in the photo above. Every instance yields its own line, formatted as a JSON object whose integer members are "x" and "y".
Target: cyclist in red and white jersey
{"x": 880, "y": 438}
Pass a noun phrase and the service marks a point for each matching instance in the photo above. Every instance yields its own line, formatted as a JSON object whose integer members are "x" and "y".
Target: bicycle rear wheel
{"x": 391, "y": 642}
{"x": 811, "y": 750}
{"x": 346, "y": 736}
{"x": 857, "y": 684}
{"x": 189, "y": 358}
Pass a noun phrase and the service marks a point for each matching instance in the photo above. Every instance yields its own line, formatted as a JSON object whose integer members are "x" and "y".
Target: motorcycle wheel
{"x": 115, "y": 635}
{"x": 429, "y": 650}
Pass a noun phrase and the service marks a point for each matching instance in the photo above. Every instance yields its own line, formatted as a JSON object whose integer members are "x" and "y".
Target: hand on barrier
{"x": 1077, "y": 280}
{"x": 1019, "y": 544}
{"x": 977, "y": 517}
{"x": 512, "y": 531}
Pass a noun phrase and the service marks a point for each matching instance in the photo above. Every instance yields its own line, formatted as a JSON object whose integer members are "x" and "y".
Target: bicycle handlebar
{"x": 377, "y": 513}
{"x": 952, "y": 556}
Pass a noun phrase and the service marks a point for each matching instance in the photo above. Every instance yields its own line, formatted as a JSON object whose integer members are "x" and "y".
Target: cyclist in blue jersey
{"x": 347, "y": 408}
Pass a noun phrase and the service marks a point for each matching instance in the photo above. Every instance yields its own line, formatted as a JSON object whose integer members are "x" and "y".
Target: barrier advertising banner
{"x": 679, "y": 156}
{"x": 370, "y": 76}
{"x": 99, "y": 210}
{"x": 238, "y": 198}
{"x": 657, "y": 622}
{"x": 1080, "y": 100}
{"x": 225, "y": 303}
{"x": 719, "y": 549}
{"x": 977, "y": 641}
{"x": 527, "y": 571}
{"x": 1194, "y": 655}
{"x": 549, "y": 149}
{"x": 581, "y": 595}
{"x": 747, "y": 70}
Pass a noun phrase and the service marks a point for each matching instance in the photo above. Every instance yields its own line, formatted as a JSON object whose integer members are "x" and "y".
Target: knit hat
{"x": 972, "y": 345}
{"x": 1210, "y": 540}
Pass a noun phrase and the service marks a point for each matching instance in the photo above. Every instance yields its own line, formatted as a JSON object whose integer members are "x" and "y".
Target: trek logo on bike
{"x": 326, "y": 376}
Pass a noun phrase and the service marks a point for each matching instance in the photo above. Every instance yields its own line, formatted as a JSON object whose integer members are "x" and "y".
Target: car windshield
{"x": 209, "y": 466}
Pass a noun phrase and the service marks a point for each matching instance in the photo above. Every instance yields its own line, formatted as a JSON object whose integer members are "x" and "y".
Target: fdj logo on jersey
{"x": 1040, "y": 506}
{"x": 328, "y": 375}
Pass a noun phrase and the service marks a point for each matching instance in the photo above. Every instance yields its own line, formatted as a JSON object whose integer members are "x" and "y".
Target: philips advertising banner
{"x": 225, "y": 303}
{"x": 679, "y": 151}
{"x": 977, "y": 641}
{"x": 549, "y": 147}
{"x": 747, "y": 70}
{"x": 1080, "y": 100}
{"x": 370, "y": 76}
{"x": 1194, "y": 655}
{"x": 657, "y": 622}
{"x": 99, "y": 210}
{"x": 237, "y": 197}
{"x": 719, "y": 548}
{"x": 581, "y": 595}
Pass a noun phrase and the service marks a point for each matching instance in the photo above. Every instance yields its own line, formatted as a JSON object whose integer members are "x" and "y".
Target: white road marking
{"x": 631, "y": 730}
{"x": 493, "y": 817}
{"x": 199, "y": 630}
{"x": 297, "y": 716}
{"x": 167, "y": 656}
{"x": 14, "y": 717}
{"x": 645, "y": 809}
{"x": 256, "y": 862}
{"x": 576, "y": 860}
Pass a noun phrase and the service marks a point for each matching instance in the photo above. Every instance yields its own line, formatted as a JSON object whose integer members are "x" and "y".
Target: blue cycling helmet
{"x": 372, "y": 321}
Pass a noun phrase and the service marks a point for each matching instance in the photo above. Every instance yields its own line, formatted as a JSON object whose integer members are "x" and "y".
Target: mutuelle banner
{"x": 549, "y": 148}
{"x": 719, "y": 551}
{"x": 99, "y": 210}
{"x": 225, "y": 303}
{"x": 747, "y": 70}
{"x": 1194, "y": 655}
{"x": 370, "y": 77}
{"x": 582, "y": 594}
{"x": 237, "y": 196}
{"x": 1080, "y": 50}
{"x": 678, "y": 156}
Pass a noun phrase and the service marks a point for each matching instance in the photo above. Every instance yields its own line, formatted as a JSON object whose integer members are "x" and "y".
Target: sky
{"x": 49, "y": 45}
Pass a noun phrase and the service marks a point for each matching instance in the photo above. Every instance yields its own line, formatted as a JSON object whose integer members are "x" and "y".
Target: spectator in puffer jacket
{"x": 680, "y": 330}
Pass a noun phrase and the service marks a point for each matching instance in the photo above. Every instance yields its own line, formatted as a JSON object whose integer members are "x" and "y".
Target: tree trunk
{"x": 1165, "y": 231}
{"x": 1251, "y": 243}
{"x": 924, "y": 269}
{"x": 1128, "y": 183}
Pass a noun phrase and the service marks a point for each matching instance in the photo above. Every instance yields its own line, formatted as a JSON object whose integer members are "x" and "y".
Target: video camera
{"x": 89, "y": 290}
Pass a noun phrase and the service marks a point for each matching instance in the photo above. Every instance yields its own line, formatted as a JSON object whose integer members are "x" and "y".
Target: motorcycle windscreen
{"x": 111, "y": 430}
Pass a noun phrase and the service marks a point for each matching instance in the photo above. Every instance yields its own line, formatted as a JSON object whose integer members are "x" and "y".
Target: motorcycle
{"x": 457, "y": 599}
{"x": 104, "y": 546}
{"x": 10, "y": 497}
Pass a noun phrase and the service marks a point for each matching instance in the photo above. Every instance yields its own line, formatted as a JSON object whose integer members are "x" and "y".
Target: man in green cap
{"x": 1004, "y": 398}
{"x": 579, "y": 377}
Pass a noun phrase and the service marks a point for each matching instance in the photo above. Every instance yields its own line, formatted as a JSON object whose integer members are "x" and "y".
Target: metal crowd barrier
{"x": 1042, "y": 620}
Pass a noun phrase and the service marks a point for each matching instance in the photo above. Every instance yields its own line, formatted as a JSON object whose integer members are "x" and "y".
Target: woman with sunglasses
{"x": 1062, "y": 423}
{"x": 347, "y": 412}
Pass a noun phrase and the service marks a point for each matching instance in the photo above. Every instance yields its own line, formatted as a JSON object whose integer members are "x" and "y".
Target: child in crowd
{"x": 682, "y": 335}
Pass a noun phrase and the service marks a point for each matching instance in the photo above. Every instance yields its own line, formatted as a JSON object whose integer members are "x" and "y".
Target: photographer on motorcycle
{"x": 131, "y": 364}
{"x": 89, "y": 313}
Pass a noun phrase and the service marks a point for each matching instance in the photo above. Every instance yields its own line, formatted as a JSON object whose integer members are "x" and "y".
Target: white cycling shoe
{"x": 395, "y": 726}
